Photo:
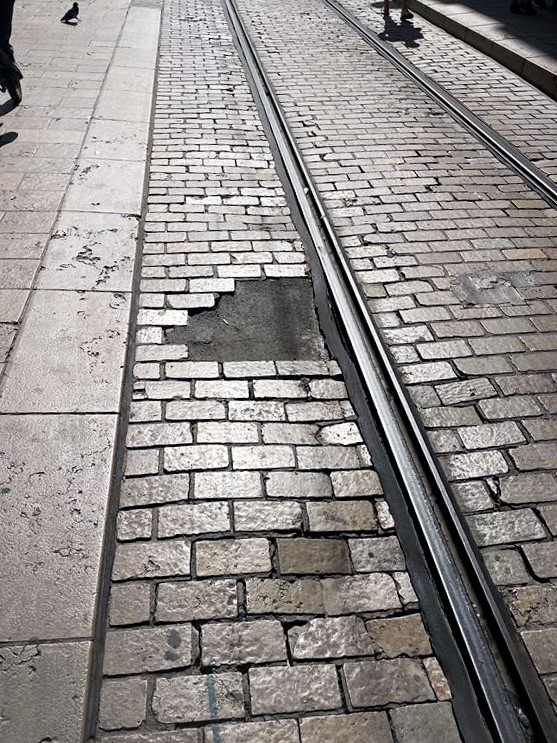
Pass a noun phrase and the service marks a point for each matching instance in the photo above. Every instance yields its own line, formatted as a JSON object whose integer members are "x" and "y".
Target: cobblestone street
{"x": 206, "y": 540}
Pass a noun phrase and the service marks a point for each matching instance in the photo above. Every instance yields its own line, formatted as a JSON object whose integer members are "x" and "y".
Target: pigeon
{"x": 71, "y": 15}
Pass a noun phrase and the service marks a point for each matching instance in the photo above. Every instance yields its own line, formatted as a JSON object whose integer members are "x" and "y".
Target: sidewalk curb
{"x": 538, "y": 76}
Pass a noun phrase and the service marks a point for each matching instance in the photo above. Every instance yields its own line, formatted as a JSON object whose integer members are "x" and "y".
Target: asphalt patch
{"x": 261, "y": 320}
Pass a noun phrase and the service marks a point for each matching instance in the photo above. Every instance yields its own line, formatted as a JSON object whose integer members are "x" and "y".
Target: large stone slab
{"x": 70, "y": 355}
{"x": 106, "y": 185}
{"x": 90, "y": 251}
{"x": 54, "y": 481}
{"x": 42, "y": 688}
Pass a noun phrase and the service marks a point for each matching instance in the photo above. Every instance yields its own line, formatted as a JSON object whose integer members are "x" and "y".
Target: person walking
{"x": 405, "y": 14}
{"x": 10, "y": 74}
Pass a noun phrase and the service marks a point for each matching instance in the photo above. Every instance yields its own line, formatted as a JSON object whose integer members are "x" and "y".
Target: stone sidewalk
{"x": 526, "y": 45}
{"x": 72, "y": 163}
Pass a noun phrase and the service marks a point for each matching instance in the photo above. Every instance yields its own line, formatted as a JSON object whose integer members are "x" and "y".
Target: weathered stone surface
{"x": 295, "y": 689}
{"x": 475, "y": 464}
{"x": 345, "y": 516}
{"x": 39, "y": 680}
{"x": 327, "y": 457}
{"x": 134, "y": 524}
{"x": 313, "y": 556}
{"x": 274, "y": 731}
{"x": 130, "y": 603}
{"x": 141, "y": 462}
{"x": 531, "y": 605}
{"x": 372, "y": 727}
{"x": 195, "y": 457}
{"x": 535, "y": 456}
{"x": 214, "y": 696}
{"x": 473, "y": 496}
{"x": 227, "y": 433}
{"x": 340, "y": 433}
{"x": 123, "y": 703}
{"x": 298, "y": 485}
{"x": 211, "y": 485}
{"x": 405, "y": 589}
{"x": 529, "y": 488}
{"x": 232, "y": 556}
{"x": 174, "y": 736}
{"x": 272, "y": 596}
{"x": 195, "y": 410}
{"x": 151, "y": 559}
{"x": 542, "y": 646}
{"x": 542, "y": 559}
{"x": 437, "y": 679}
{"x": 374, "y": 683}
{"x": 506, "y": 567}
{"x": 506, "y": 527}
{"x": 158, "y": 434}
{"x": 150, "y": 490}
{"x": 359, "y": 483}
{"x": 314, "y": 411}
{"x": 148, "y": 649}
{"x": 242, "y": 642}
{"x": 191, "y": 600}
{"x": 359, "y": 593}
{"x": 491, "y": 435}
{"x": 194, "y": 518}
{"x": 289, "y": 433}
{"x": 377, "y": 554}
{"x": 273, "y": 456}
{"x": 428, "y": 723}
{"x": 471, "y": 389}
{"x": 399, "y": 636}
{"x": 331, "y": 638}
{"x": 260, "y": 410}
{"x": 259, "y": 515}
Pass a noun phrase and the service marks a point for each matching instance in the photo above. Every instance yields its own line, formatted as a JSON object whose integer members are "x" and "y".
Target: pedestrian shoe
{"x": 406, "y": 16}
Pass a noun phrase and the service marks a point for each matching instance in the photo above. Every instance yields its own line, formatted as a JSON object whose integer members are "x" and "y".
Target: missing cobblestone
{"x": 271, "y": 319}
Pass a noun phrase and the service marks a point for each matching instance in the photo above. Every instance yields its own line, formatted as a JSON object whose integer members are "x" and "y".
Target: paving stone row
{"x": 525, "y": 116}
{"x": 259, "y": 590}
{"x": 457, "y": 258}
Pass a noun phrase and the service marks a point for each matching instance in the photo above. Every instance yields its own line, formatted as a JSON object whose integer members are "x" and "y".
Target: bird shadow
{"x": 405, "y": 32}
{"x": 8, "y": 138}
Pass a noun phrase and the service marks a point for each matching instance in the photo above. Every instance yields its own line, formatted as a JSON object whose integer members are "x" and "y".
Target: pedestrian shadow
{"x": 405, "y": 32}
{"x": 6, "y": 107}
{"x": 7, "y": 138}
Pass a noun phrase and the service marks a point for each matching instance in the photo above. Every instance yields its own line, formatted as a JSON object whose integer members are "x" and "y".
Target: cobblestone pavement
{"x": 457, "y": 257}
{"x": 259, "y": 591}
{"x": 40, "y": 141}
{"x": 523, "y": 115}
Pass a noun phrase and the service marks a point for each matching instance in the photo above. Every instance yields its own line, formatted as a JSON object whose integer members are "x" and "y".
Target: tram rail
{"x": 408, "y": 449}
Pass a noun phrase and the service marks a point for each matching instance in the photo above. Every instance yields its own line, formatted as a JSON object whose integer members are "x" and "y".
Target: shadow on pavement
{"x": 405, "y": 32}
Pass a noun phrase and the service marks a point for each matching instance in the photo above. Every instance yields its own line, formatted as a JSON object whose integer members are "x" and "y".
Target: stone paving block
{"x": 425, "y": 722}
{"x": 327, "y": 389}
{"x": 449, "y": 417}
{"x": 192, "y": 369}
{"x": 354, "y": 728}
{"x": 145, "y": 412}
{"x": 194, "y": 518}
{"x": 123, "y": 703}
{"x": 158, "y": 434}
{"x": 167, "y": 390}
{"x": 264, "y": 410}
{"x": 195, "y": 457}
{"x": 473, "y": 496}
{"x": 215, "y": 485}
{"x": 314, "y": 411}
{"x": 227, "y": 433}
{"x": 399, "y": 636}
{"x": 214, "y": 696}
{"x": 475, "y": 464}
{"x": 273, "y": 456}
{"x": 381, "y": 682}
{"x": 279, "y": 388}
{"x": 275, "y": 690}
{"x": 192, "y": 600}
{"x": 273, "y": 596}
{"x": 141, "y": 462}
{"x": 151, "y": 490}
{"x": 289, "y": 433}
{"x": 243, "y": 369}
{"x": 313, "y": 556}
{"x": 222, "y": 389}
{"x": 506, "y": 567}
{"x": 528, "y": 488}
{"x": 358, "y": 483}
{"x": 472, "y": 389}
{"x": 327, "y": 457}
{"x": 339, "y": 517}
{"x": 516, "y": 406}
{"x": 533, "y": 605}
{"x": 195, "y": 410}
{"x": 359, "y": 593}
{"x": 178, "y": 736}
{"x": 273, "y": 731}
{"x": 437, "y": 679}
{"x": 380, "y": 554}
{"x": 136, "y": 524}
{"x": 43, "y": 678}
{"x": 491, "y": 435}
{"x": 330, "y": 638}
{"x": 542, "y": 559}
{"x": 232, "y": 556}
{"x": 242, "y": 642}
{"x": 264, "y": 516}
{"x": 340, "y": 433}
{"x": 549, "y": 515}
{"x": 535, "y": 456}
{"x": 298, "y": 485}
{"x": 148, "y": 649}
{"x": 130, "y": 603}
{"x": 506, "y": 527}
{"x": 158, "y": 559}
{"x": 542, "y": 646}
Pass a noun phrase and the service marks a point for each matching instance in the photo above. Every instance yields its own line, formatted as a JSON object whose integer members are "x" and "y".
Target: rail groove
{"x": 408, "y": 448}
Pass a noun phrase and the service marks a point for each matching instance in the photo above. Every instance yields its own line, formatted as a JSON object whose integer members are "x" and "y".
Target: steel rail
{"x": 498, "y": 145}
{"x": 372, "y": 359}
